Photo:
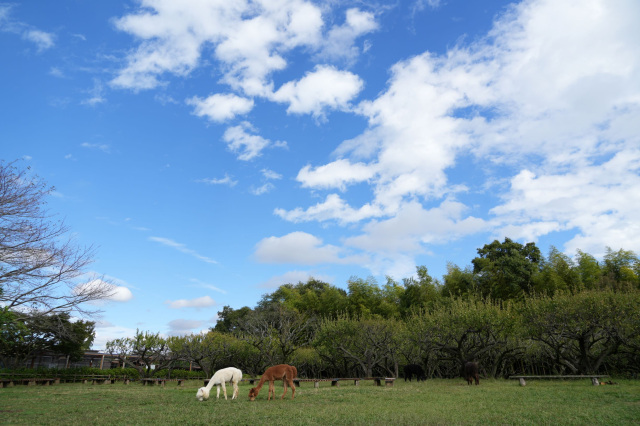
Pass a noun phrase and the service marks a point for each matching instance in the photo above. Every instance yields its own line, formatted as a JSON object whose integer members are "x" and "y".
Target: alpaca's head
{"x": 203, "y": 394}
{"x": 253, "y": 392}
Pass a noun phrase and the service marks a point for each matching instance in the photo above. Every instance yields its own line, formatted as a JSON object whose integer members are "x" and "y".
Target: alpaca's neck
{"x": 210, "y": 384}
{"x": 261, "y": 383}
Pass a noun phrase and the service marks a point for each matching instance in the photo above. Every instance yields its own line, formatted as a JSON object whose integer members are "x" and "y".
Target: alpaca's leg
{"x": 224, "y": 389}
{"x": 217, "y": 391}
{"x": 284, "y": 383}
{"x": 272, "y": 390}
{"x": 235, "y": 390}
{"x": 293, "y": 388}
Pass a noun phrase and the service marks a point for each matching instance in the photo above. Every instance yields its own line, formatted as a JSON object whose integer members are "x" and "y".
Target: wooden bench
{"x": 356, "y": 381}
{"x": 594, "y": 378}
{"x": 160, "y": 381}
{"x": 98, "y": 379}
{"x": 31, "y": 381}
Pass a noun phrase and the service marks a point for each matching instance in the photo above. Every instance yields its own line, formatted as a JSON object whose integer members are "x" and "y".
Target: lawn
{"x": 435, "y": 402}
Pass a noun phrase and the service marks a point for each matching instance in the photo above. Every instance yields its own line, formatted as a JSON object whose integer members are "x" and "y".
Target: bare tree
{"x": 41, "y": 269}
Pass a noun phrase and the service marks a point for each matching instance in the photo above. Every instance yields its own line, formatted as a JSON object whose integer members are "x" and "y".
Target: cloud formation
{"x": 549, "y": 95}
{"x": 200, "y": 302}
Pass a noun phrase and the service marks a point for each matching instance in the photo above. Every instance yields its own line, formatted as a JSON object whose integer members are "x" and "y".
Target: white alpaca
{"x": 229, "y": 374}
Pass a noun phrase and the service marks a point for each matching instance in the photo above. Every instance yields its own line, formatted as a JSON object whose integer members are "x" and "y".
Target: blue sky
{"x": 213, "y": 150}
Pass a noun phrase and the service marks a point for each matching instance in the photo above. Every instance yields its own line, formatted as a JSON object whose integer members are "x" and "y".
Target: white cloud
{"x": 249, "y": 39}
{"x": 319, "y": 90}
{"x": 549, "y": 99}
{"x": 107, "y": 331}
{"x": 200, "y": 302}
{"x": 299, "y": 248}
{"x": 332, "y": 208}
{"x": 271, "y": 175}
{"x": 247, "y": 146}
{"x": 293, "y": 277}
{"x": 43, "y": 40}
{"x": 413, "y": 225}
{"x": 340, "y": 40}
{"x": 338, "y": 175}
{"x": 600, "y": 201}
{"x": 96, "y": 94}
{"x": 263, "y": 189}
{"x": 182, "y": 248}
{"x": 116, "y": 293}
{"x": 101, "y": 147}
{"x": 226, "y": 180}
{"x": 180, "y": 327}
{"x": 220, "y": 107}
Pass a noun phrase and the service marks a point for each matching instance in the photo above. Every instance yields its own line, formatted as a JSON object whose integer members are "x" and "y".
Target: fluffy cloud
{"x": 43, "y": 40}
{"x": 249, "y": 39}
{"x": 340, "y": 40}
{"x": 338, "y": 174}
{"x": 220, "y": 107}
{"x": 324, "y": 88}
{"x": 200, "y": 302}
{"x": 548, "y": 97}
{"x": 332, "y": 208}
{"x": 180, "y": 327}
{"x": 248, "y": 146}
{"x": 299, "y": 248}
{"x": 116, "y": 293}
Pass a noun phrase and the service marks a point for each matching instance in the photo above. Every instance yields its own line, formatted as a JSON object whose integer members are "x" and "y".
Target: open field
{"x": 437, "y": 402}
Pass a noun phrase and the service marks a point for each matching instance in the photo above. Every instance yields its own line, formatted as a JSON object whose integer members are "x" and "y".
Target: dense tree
{"x": 418, "y": 293}
{"x": 368, "y": 343}
{"x": 275, "y": 332}
{"x": 366, "y": 298}
{"x": 229, "y": 319}
{"x": 465, "y": 330}
{"x": 145, "y": 352}
{"x": 581, "y": 331}
{"x": 506, "y": 270}
{"x": 459, "y": 282}
{"x": 589, "y": 270}
{"x": 622, "y": 267}
{"x": 313, "y": 298}
{"x": 23, "y": 336}
{"x": 210, "y": 351}
{"x": 557, "y": 274}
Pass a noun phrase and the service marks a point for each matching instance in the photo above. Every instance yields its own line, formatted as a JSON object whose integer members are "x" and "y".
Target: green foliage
{"x": 24, "y": 335}
{"x": 582, "y": 331}
{"x": 506, "y": 270}
{"x": 459, "y": 282}
{"x": 73, "y": 373}
{"x": 179, "y": 374}
{"x": 418, "y": 293}
{"x": 623, "y": 266}
{"x": 142, "y": 351}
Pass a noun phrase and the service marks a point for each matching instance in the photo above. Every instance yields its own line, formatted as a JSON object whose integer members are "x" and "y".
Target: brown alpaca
{"x": 283, "y": 372}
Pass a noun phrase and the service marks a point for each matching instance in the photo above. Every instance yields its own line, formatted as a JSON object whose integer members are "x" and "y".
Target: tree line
{"x": 512, "y": 310}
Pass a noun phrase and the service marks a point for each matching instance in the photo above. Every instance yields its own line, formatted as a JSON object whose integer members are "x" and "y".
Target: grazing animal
{"x": 411, "y": 370}
{"x": 471, "y": 372}
{"x": 283, "y": 372}
{"x": 229, "y": 374}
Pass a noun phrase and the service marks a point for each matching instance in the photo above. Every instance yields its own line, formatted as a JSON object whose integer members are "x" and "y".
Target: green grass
{"x": 436, "y": 402}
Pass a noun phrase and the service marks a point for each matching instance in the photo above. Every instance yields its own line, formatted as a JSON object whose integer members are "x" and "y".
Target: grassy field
{"x": 435, "y": 402}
